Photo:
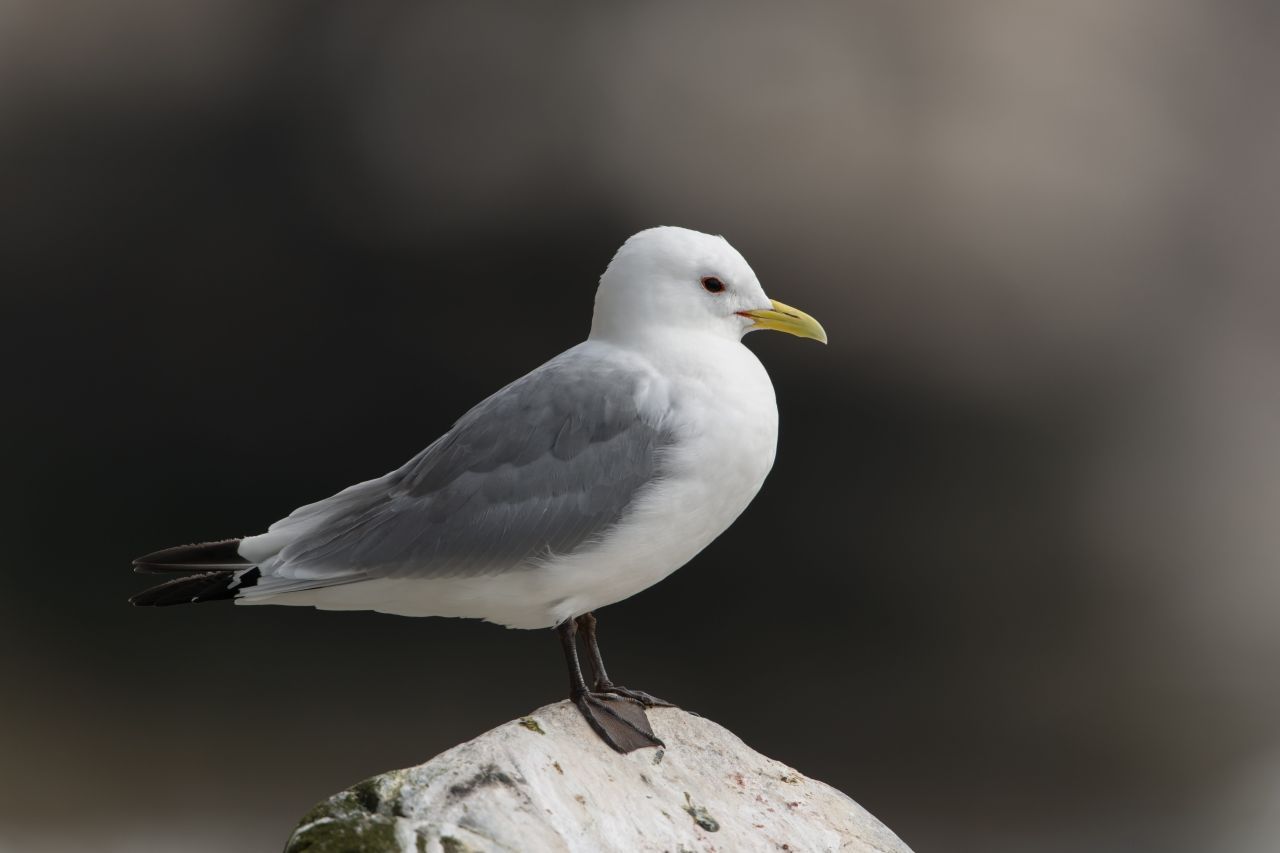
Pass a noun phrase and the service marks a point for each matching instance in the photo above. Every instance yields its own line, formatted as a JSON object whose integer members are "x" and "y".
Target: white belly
{"x": 725, "y": 420}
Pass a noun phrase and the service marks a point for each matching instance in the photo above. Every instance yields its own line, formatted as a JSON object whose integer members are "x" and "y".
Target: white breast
{"x": 725, "y": 417}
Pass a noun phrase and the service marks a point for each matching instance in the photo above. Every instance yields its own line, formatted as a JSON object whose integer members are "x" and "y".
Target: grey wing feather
{"x": 542, "y": 467}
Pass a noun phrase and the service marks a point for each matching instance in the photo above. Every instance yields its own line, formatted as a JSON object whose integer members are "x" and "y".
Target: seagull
{"x": 578, "y": 485}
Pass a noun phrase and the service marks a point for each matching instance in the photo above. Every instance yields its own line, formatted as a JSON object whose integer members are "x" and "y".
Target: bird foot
{"x": 640, "y": 696}
{"x": 620, "y": 721}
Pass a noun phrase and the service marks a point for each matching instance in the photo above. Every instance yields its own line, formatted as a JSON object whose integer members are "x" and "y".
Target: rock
{"x": 546, "y": 782}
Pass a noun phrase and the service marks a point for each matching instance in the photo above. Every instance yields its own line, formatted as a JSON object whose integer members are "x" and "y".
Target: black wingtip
{"x": 197, "y": 558}
{"x": 193, "y": 589}
{"x": 184, "y": 590}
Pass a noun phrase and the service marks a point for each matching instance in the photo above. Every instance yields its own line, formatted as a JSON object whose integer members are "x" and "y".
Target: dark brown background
{"x": 1025, "y": 592}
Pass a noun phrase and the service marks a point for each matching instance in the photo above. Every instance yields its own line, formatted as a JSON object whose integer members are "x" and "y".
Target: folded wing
{"x": 543, "y": 467}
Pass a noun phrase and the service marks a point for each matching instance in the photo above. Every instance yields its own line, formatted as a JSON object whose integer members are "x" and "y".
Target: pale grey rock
{"x": 546, "y": 782}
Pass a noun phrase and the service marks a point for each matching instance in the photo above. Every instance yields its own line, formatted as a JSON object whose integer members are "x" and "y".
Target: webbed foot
{"x": 620, "y": 721}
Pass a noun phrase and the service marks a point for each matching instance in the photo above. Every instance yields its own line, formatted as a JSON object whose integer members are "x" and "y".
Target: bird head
{"x": 671, "y": 279}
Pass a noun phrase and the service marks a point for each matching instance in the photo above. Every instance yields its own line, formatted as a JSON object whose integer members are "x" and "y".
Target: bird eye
{"x": 712, "y": 284}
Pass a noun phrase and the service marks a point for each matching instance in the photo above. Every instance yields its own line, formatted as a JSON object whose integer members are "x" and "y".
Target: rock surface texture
{"x": 546, "y": 782}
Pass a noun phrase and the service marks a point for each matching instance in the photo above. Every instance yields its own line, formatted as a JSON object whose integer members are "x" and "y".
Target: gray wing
{"x": 542, "y": 467}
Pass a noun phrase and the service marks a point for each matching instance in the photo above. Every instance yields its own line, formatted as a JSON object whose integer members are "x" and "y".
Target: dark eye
{"x": 712, "y": 284}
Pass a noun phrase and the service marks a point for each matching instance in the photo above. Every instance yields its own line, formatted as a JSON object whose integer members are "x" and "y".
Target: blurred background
{"x": 244, "y": 247}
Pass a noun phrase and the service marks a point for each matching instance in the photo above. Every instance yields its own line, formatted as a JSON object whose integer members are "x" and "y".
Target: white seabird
{"x": 585, "y": 481}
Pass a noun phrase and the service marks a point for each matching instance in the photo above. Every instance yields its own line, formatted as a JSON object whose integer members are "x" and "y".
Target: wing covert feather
{"x": 541, "y": 467}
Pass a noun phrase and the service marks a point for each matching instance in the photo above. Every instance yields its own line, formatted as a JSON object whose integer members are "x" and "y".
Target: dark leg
{"x": 587, "y": 624}
{"x": 619, "y": 721}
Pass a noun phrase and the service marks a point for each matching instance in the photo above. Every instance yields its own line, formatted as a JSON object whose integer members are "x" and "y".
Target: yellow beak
{"x": 784, "y": 318}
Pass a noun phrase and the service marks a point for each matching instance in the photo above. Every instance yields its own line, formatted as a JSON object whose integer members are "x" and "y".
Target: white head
{"x": 674, "y": 279}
